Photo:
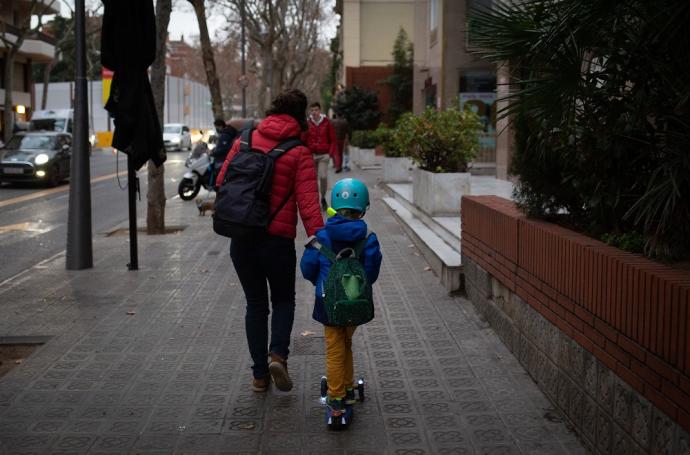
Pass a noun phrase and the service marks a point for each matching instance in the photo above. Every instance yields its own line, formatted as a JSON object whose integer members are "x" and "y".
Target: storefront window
{"x": 478, "y": 93}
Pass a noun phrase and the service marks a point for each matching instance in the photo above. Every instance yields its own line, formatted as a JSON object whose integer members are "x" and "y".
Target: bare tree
{"x": 285, "y": 34}
{"x": 155, "y": 213}
{"x": 207, "y": 56}
{"x": 66, "y": 35}
{"x": 12, "y": 41}
{"x": 48, "y": 68}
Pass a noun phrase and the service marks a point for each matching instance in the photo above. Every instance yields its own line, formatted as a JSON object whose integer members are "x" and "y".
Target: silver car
{"x": 176, "y": 137}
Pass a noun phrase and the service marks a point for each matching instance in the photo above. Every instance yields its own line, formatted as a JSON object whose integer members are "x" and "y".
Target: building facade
{"x": 448, "y": 74}
{"x": 368, "y": 31}
{"x": 37, "y": 48}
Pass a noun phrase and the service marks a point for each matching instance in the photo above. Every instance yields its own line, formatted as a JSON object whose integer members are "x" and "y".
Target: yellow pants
{"x": 339, "y": 366}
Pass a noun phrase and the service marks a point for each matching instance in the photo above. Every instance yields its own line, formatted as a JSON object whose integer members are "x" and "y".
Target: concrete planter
{"x": 439, "y": 194}
{"x": 354, "y": 154}
{"x": 366, "y": 157}
{"x": 397, "y": 170}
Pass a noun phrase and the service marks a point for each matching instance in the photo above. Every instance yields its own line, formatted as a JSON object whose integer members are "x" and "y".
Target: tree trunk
{"x": 8, "y": 78}
{"x": 207, "y": 57}
{"x": 155, "y": 211}
{"x": 265, "y": 89}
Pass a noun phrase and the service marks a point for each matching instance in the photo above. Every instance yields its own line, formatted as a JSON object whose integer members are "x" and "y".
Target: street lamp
{"x": 79, "y": 243}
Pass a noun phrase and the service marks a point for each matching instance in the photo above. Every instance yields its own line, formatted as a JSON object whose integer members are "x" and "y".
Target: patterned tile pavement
{"x": 155, "y": 361}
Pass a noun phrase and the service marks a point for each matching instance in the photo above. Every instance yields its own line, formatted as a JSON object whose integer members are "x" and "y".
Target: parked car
{"x": 37, "y": 157}
{"x": 177, "y": 137}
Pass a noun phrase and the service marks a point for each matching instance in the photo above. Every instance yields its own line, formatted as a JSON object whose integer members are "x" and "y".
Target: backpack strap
{"x": 359, "y": 247}
{"x": 246, "y": 140}
{"x": 327, "y": 252}
{"x": 278, "y": 151}
{"x": 284, "y": 147}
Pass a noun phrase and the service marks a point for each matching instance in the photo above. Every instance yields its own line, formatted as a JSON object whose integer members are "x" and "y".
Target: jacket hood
{"x": 341, "y": 229}
{"x": 279, "y": 127}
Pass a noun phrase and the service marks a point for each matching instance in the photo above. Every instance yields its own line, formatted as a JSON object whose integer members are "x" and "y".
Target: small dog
{"x": 204, "y": 205}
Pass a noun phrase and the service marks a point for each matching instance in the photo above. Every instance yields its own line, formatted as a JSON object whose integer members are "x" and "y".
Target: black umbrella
{"x": 128, "y": 47}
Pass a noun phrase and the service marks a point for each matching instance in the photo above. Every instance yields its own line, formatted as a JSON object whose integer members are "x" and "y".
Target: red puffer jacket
{"x": 294, "y": 171}
{"x": 321, "y": 138}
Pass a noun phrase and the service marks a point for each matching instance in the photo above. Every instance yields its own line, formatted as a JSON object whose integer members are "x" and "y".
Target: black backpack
{"x": 242, "y": 207}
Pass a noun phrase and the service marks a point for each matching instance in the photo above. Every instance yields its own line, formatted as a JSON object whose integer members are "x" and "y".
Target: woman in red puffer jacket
{"x": 273, "y": 259}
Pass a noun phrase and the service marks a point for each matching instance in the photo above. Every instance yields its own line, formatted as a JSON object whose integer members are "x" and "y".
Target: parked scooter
{"x": 199, "y": 173}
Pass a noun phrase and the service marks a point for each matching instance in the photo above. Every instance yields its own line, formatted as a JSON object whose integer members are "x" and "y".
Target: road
{"x": 33, "y": 219}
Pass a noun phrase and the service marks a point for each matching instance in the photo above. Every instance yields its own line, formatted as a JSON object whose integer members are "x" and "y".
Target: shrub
{"x": 629, "y": 241}
{"x": 439, "y": 141}
{"x": 360, "y": 108}
{"x": 365, "y": 139}
{"x": 386, "y": 138}
{"x": 601, "y": 108}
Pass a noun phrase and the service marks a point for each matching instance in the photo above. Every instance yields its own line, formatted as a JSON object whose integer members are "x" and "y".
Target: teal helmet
{"x": 350, "y": 194}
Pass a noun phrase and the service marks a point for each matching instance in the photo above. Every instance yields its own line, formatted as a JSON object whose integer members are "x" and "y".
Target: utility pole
{"x": 79, "y": 242}
{"x": 243, "y": 81}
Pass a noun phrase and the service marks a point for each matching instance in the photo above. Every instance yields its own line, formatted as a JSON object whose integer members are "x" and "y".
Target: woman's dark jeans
{"x": 272, "y": 261}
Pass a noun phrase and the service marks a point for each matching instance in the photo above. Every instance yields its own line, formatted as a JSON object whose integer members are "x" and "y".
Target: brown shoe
{"x": 261, "y": 384}
{"x": 279, "y": 373}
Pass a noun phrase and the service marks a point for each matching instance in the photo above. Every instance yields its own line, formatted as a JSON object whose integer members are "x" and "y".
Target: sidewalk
{"x": 155, "y": 361}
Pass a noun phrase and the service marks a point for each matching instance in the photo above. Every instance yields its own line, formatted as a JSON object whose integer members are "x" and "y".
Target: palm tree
{"x": 599, "y": 99}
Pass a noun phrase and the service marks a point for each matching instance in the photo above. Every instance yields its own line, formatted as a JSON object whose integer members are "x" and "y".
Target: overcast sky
{"x": 183, "y": 21}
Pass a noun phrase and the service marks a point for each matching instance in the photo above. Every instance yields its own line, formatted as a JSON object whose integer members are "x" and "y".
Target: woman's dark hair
{"x": 219, "y": 122}
{"x": 293, "y": 103}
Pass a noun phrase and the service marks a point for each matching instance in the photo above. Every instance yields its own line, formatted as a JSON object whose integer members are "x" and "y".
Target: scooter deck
{"x": 342, "y": 421}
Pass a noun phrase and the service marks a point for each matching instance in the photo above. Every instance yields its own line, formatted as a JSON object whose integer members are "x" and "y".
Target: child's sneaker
{"x": 350, "y": 396}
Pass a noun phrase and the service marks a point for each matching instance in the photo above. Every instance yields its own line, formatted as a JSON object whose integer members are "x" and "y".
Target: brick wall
{"x": 629, "y": 312}
{"x": 370, "y": 77}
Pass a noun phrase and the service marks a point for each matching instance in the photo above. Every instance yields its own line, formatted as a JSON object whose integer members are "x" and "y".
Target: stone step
{"x": 448, "y": 228}
{"x": 442, "y": 257}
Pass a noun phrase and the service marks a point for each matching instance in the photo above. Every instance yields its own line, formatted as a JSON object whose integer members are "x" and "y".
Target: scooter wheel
{"x": 187, "y": 189}
{"x": 360, "y": 389}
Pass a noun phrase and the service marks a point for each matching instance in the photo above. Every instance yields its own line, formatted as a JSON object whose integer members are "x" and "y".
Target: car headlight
{"x": 175, "y": 140}
{"x": 42, "y": 159}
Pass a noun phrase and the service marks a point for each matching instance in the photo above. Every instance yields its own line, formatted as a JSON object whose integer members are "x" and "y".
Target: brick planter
{"x": 604, "y": 332}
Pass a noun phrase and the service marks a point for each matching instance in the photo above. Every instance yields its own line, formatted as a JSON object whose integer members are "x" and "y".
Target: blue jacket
{"x": 338, "y": 233}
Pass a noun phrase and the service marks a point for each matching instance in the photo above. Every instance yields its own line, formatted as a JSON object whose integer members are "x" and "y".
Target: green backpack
{"x": 347, "y": 293}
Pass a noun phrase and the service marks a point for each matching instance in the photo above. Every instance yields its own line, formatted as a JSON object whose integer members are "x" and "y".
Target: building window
{"x": 20, "y": 75}
{"x": 478, "y": 81}
{"x": 429, "y": 93}
{"x": 433, "y": 14}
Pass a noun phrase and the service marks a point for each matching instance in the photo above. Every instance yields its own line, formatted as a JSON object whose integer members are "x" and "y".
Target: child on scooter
{"x": 345, "y": 233}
